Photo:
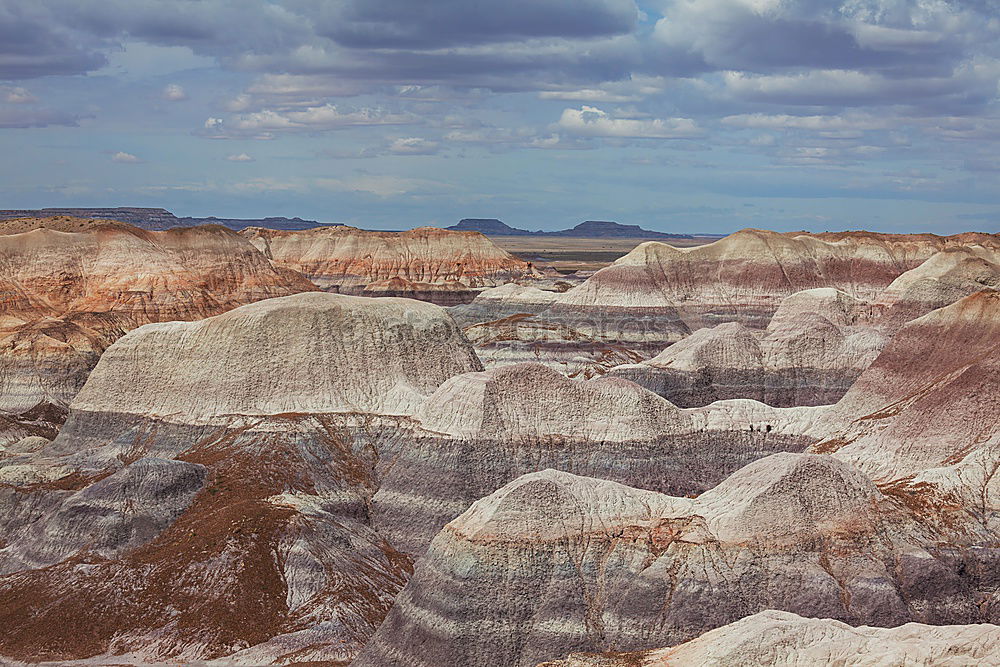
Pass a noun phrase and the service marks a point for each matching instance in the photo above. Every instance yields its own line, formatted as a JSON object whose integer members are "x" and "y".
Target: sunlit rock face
{"x": 479, "y": 431}
{"x": 922, "y": 420}
{"x": 210, "y": 495}
{"x": 777, "y": 637}
{"x": 811, "y": 352}
{"x": 554, "y": 563}
{"x": 745, "y": 276}
{"x": 940, "y": 281}
{"x": 657, "y": 295}
{"x": 71, "y": 287}
{"x": 446, "y": 267}
{"x": 891, "y": 519}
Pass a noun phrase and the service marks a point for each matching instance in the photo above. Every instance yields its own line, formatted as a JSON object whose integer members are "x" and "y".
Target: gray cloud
{"x": 34, "y": 44}
{"x": 765, "y": 35}
{"x": 433, "y": 24}
{"x": 22, "y": 116}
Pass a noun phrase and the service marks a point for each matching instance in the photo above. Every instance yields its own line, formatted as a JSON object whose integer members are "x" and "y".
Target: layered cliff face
{"x": 479, "y": 431}
{"x": 210, "y": 493}
{"x": 554, "y": 563}
{"x": 922, "y": 420}
{"x": 745, "y": 276}
{"x": 781, "y": 638}
{"x": 507, "y": 326}
{"x": 435, "y": 264}
{"x": 71, "y": 287}
{"x": 940, "y": 281}
{"x": 657, "y": 294}
{"x": 899, "y": 524}
{"x": 810, "y": 354}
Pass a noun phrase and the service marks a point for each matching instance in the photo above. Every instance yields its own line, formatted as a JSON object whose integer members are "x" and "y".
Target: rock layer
{"x": 810, "y": 354}
{"x": 781, "y": 638}
{"x": 479, "y": 431}
{"x": 657, "y": 294}
{"x": 71, "y": 287}
{"x": 420, "y": 262}
{"x": 928, "y": 399}
{"x": 206, "y": 497}
{"x": 554, "y": 563}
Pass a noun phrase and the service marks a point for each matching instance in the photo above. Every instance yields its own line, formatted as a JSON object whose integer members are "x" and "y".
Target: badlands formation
{"x": 204, "y": 498}
{"x": 657, "y": 295}
{"x": 810, "y": 353}
{"x": 773, "y": 449}
{"x": 71, "y": 287}
{"x": 446, "y": 267}
{"x": 781, "y": 638}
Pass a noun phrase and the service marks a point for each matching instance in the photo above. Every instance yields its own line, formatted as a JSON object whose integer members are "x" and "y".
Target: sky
{"x": 677, "y": 115}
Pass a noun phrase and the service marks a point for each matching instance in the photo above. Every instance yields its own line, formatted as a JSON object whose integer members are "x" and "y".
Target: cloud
{"x": 381, "y": 185}
{"x": 17, "y": 95}
{"x": 593, "y": 122}
{"x": 559, "y": 142}
{"x": 970, "y": 84}
{"x": 816, "y": 123}
{"x": 125, "y": 158}
{"x": 269, "y": 185}
{"x": 24, "y": 116}
{"x": 764, "y": 35}
{"x": 413, "y": 146}
{"x": 317, "y": 118}
{"x": 447, "y": 23}
{"x": 174, "y": 93}
{"x": 35, "y": 43}
{"x": 240, "y": 157}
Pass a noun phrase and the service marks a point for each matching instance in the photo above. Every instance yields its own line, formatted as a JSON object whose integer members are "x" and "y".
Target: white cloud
{"x": 413, "y": 146}
{"x": 593, "y": 122}
{"x": 17, "y": 95}
{"x": 269, "y": 185}
{"x": 323, "y": 117}
{"x": 174, "y": 93}
{"x": 558, "y": 142}
{"x": 125, "y": 158}
{"x": 380, "y": 185}
{"x": 633, "y": 89}
{"x": 587, "y": 95}
{"x": 240, "y": 157}
{"x": 816, "y": 123}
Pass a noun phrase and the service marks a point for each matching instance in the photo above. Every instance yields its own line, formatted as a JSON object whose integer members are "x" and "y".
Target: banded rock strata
{"x": 922, "y": 420}
{"x": 781, "y": 638}
{"x": 898, "y": 524}
{"x": 479, "y": 431}
{"x": 205, "y": 498}
{"x": 445, "y": 266}
{"x": 554, "y": 563}
{"x": 71, "y": 287}
{"x": 940, "y": 281}
{"x": 810, "y": 354}
{"x": 657, "y": 294}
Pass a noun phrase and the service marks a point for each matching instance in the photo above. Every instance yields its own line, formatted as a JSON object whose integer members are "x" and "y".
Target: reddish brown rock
{"x": 657, "y": 294}
{"x": 70, "y": 287}
{"x": 418, "y": 262}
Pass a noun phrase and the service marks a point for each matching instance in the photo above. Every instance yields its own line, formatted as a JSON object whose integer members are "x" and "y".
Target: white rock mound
{"x": 308, "y": 353}
{"x": 781, "y": 638}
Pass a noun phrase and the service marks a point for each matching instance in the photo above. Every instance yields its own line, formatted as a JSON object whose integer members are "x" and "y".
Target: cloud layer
{"x": 785, "y": 96}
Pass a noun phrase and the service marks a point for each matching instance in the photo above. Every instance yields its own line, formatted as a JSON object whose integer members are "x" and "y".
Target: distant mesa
{"x": 590, "y": 229}
{"x": 490, "y": 226}
{"x": 159, "y": 219}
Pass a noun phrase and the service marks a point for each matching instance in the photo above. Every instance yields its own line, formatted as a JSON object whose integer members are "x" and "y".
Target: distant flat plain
{"x": 567, "y": 254}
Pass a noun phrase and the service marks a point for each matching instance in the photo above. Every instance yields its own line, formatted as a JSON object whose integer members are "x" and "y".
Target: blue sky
{"x": 678, "y": 115}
